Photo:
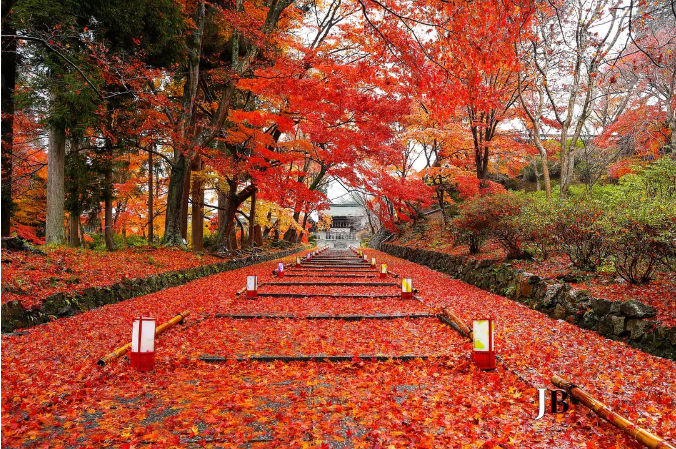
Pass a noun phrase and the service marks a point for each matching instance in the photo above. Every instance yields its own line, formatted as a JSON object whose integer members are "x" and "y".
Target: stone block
{"x": 638, "y": 328}
{"x": 559, "y": 312}
{"x": 618, "y": 325}
{"x": 551, "y": 294}
{"x": 524, "y": 289}
{"x": 636, "y": 309}
{"x": 671, "y": 335}
{"x": 13, "y": 316}
{"x": 615, "y": 307}
{"x": 601, "y": 306}
{"x": 605, "y": 326}
{"x": 589, "y": 320}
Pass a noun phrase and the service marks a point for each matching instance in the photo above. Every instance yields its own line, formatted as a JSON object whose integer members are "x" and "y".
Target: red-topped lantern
{"x": 483, "y": 351}
{"x": 280, "y": 270}
{"x": 142, "y": 354}
{"x": 252, "y": 287}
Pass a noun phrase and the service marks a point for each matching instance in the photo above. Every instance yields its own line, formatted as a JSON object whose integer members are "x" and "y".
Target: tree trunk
{"x": 252, "y": 220}
{"x": 232, "y": 244}
{"x": 151, "y": 233}
{"x": 172, "y": 226}
{"x": 440, "y": 200}
{"x": 537, "y": 174}
{"x": 567, "y": 165}
{"x": 567, "y": 161}
{"x": 8, "y": 83}
{"x": 258, "y": 235}
{"x": 302, "y": 232}
{"x": 108, "y": 208}
{"x": 82, "y": 233}
{"x": 545, "y": 174}
{"x": 291, "y": 233}
{"x": 197, "y": 209}
{"x": 234, "y": 200}
{"x": 180, "y": 167}
{"x": 184, "y": 203}
{"x": 56, "y": 196}
{"x": 222, "y": 205}
{"x": 242, "y": 235}
{"x": 266, "y": 230}
{"x": 74, "y": 225}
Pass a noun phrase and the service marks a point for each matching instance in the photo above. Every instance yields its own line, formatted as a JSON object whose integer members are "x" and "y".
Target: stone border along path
{"x": 61, "y": 305}
{"x": 627, "y": 321}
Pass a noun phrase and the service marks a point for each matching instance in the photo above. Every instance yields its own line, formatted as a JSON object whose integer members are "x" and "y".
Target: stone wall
{"x": 628, "y": 321}
{"x": 60, "y": 305}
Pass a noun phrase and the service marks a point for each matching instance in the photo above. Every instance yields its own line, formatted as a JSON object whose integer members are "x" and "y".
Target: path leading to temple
{"x": 327, "y": 356}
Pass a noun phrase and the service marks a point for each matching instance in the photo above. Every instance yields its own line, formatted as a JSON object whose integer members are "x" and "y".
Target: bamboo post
{"x": 642, "y": 436}
{"x": 119, "y": 352}
{"x": 462, "y": 327}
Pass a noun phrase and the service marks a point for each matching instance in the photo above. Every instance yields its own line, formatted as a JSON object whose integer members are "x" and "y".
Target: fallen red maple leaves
{"x": 54, "y": 395}
{"x": 29, "y": 278}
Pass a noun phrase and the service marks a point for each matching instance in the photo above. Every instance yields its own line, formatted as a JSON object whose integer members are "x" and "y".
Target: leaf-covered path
{"x": 53, "y": 394}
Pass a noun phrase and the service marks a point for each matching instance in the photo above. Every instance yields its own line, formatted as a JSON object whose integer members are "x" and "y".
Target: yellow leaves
{"x": 516, "y": 394}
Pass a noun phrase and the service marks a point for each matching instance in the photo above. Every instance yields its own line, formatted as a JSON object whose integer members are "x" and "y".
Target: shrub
{"x": 496, "y": 216}
{"x": 643, "y": 223}
{"x": 579, "y": 232}
{"x": 471, "y": 226}
{"x": 640, "y": 234}
{"x": 537, "y": 226}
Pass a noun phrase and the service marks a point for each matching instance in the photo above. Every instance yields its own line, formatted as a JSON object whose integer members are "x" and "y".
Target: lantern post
{"x": 142, "y": 354}
{"x": 406, "y": 288}
{"x": 373, "y": 262}
{"x": 252, "y": 287}
{"x": 383, "y": 271}
{"x": 483, "y": 350}
{"x": 280, "y": 270}
{"x": 297, "y": 261}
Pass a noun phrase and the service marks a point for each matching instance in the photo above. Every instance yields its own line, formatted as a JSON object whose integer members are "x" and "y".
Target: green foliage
{"x": 84, "y": 190}
{"x": 633, "y": 231}
{"x": 536, "y": 223}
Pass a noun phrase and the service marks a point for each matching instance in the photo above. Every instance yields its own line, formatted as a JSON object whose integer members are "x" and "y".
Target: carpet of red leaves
{"x": 31, "y": 277}
{"x": 54, "y": 395}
